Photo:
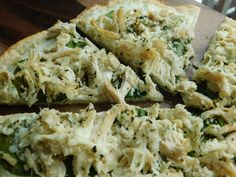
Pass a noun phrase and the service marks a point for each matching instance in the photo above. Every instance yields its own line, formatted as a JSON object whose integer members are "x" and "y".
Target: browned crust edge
{"x": 182, "y": 8}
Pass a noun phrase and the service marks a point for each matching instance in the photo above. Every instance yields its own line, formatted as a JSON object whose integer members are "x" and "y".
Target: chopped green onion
{"x": 79, "y": 44}
{"x": 135, "y": 93}
{"x": 22, "y": 61}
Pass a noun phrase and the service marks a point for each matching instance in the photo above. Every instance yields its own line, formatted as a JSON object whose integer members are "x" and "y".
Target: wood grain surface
{"x": 21, "y": 18}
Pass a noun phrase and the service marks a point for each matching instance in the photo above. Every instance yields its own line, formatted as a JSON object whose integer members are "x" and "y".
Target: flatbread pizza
{"x": 58, "y": 66}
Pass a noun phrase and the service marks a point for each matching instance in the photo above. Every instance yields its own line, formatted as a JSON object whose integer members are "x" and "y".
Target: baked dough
{"x": 218, "y": 68}
{"x": 60, "y": 66}
{"x": 123, "y": 141}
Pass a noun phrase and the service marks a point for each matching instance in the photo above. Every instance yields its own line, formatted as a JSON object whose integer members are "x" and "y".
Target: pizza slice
{"x": 60, "y": 66}
{"x": 218, "y": 68}
{"x": 147, "y": 35}
{"x": 152, "y": 38}
{"x": 123, "y": 141}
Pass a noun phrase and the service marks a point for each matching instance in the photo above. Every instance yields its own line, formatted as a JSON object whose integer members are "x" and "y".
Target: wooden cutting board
{"x": 19, "y": 19}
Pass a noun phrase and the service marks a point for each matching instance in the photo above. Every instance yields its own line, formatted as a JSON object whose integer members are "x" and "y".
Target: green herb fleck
{"x": 110, "y": 14}
{"x": 221, "y": 122}
{"x": 165, "y": 27}
{"x": 177, "y": 79}
{"x": 179, "y": 46}
{"x": 79, "y": 44}
{"x": 141, "y": 112}
{"x": 135, "y": 93}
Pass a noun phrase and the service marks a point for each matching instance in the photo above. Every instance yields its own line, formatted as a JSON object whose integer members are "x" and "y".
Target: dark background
{"x": 20, "y": 18}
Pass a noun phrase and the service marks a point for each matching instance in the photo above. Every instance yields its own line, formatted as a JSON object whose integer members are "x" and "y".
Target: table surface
{"x": 19, "y": 19}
